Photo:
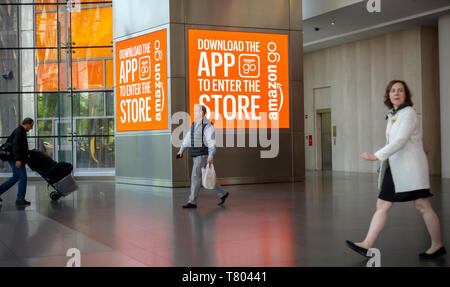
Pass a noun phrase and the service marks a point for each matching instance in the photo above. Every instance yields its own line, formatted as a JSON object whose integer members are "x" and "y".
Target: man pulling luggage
{"x": 18, "y": 140}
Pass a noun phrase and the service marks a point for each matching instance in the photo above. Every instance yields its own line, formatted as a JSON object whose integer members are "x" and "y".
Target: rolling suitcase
{"x": 57, "y": 174}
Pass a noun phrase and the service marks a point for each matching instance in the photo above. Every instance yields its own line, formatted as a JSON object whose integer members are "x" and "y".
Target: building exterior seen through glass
{"x": 60, "y": 54}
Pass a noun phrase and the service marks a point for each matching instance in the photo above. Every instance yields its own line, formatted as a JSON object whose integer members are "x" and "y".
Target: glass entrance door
{"x": 87, "y": 143}
{"x": 94, "y": 146}
{"x": 64, "y": 141}
{"x": 74, "y": 84}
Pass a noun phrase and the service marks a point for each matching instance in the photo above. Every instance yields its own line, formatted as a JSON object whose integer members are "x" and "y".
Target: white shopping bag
{"x": 208, "y": 176}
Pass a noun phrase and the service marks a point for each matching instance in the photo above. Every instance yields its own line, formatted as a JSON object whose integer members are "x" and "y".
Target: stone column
{"x": 148, "y": 157}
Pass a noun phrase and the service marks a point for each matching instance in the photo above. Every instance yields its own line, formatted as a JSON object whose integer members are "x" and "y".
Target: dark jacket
{"x": 19, "y": 142}
{"x": 195, "y": 150}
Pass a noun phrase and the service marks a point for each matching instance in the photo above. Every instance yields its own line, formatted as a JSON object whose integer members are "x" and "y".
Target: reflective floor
{"x": 301, "y": 224}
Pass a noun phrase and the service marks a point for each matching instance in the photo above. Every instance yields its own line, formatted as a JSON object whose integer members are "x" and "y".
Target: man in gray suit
{"x": 202, "y": 146}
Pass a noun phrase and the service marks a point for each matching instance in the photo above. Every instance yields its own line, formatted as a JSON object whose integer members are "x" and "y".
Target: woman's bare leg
{"x": 432, "y": 223}
{"x": 377, "y": 224}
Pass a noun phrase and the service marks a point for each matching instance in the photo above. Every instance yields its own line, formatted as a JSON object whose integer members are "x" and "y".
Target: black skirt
{"x": 387, "y": 192}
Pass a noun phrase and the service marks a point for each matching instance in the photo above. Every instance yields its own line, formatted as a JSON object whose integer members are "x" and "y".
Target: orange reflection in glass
{"x": 92, "y": 53}
{"x": 45, "y": 7}
{"x": 46, "y": 33}
{"x": 89, "y": 28}
{"x": 47, "y": 79}
{"x": 92, "y": 27}
{"x": 87, "y": 75}
{"x": 109, "y": 74}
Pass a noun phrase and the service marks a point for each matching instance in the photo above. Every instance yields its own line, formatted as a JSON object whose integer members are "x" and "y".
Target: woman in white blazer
{"x": 403, "y": 173}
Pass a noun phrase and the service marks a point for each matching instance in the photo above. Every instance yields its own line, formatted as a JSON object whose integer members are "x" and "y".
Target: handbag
{"x": 208, "y": 176}
{"x": 6, "y": 152}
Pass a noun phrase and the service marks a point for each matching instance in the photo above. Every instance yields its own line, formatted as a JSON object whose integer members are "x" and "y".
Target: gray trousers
{"x": 196, "y": 179}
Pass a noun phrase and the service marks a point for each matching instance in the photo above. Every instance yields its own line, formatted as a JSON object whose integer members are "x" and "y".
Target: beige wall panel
{"x": 308, "y": 76}
{"x": 337, "y": 110}
{"x": 394, "y": 56}
{"x": 320, "y": 65}
{"x": 430, "y": 98}
{"x": 322, "y": 99}
{"x": 363, "y": 115}
{"x": 348, "y": 129}
{"x": 412, "y": 65}
{"x": 379, "y": 81}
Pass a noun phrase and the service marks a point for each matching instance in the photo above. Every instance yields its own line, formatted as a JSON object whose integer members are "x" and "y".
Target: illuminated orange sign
{"x": 141, "y": 83}
{"x": 240, "y": 77}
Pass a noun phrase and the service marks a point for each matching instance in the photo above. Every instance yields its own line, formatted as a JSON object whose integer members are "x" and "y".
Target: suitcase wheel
{"x": 55, "y": 195}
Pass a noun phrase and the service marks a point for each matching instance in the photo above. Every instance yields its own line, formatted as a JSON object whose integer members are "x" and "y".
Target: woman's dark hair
{"x": 387, "y": 100}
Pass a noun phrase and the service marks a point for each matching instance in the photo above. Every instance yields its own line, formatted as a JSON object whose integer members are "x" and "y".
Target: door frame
{"x": 56, "y": 146}
{"x": 89, "y": 171}
{"x": 318, "y": 142}
{"x": 77, "y": 171}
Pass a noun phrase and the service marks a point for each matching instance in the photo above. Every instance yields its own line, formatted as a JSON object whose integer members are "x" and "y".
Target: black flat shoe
{"x": 223, "y": 198}
{"x": 189, "y": 205}
{"x": 23, "y": 202}
{"x": 356, "y": 248}
{"x": 440, "y": 252}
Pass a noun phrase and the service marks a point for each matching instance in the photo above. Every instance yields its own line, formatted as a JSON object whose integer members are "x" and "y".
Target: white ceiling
{"x": 354, "y": 22}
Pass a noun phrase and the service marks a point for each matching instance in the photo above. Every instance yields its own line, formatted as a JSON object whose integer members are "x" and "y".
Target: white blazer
{"x": 404, "y": 149}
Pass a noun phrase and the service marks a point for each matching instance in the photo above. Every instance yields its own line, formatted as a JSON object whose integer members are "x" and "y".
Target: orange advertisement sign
{"x": 240, "y": 77}
{"x": 141, "y": 83}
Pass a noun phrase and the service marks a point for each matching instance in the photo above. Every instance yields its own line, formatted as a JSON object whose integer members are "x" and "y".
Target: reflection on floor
{"x": 299, "y": 224}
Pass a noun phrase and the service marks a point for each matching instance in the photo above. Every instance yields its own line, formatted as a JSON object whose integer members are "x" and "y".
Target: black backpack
{"x": 6, "y": 151}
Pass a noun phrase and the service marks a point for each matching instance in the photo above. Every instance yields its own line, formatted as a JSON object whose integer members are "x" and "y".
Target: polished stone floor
{"x": 299, "y": 224}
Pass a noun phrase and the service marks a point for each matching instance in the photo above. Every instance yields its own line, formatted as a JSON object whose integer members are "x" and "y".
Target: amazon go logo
{"x": 144, "y": 68}
{"x": 249, "y": 66}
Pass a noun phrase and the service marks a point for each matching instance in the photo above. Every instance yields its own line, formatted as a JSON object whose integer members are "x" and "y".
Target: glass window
{"x": 45, "y": 128}
{"x": 89, "y": 104}
{"x": 87, "y": 75}
{"x": 9, "y": 114}
{"x": 95, "y": 126}
{"x": 64, "y": 78}
{"x": 89, "y": 21}
{"x": 95, "y": 152}
{"x": 45, "y": 133}
{"x": 110, "y": 104}
{"x": 48, "y": 105}
{"x": 9, "y": 61}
